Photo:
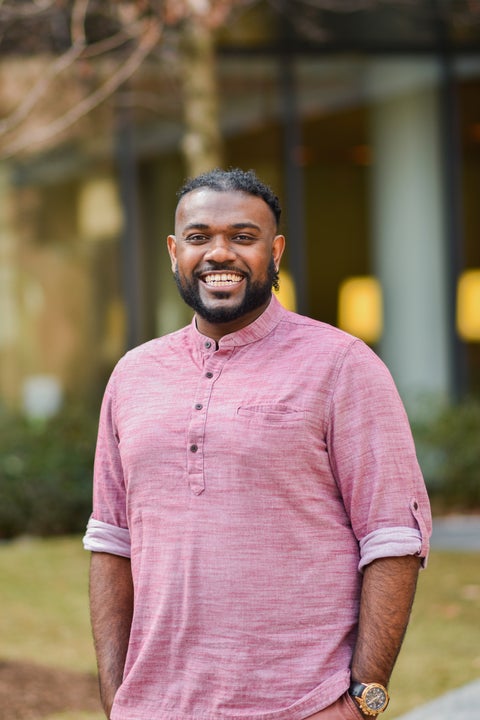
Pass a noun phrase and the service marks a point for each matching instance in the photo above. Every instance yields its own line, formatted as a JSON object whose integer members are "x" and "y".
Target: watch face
{"x": 375, "y": 698}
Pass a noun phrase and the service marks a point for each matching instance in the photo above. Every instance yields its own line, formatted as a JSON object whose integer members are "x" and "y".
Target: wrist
{"x": 371, "y": 698}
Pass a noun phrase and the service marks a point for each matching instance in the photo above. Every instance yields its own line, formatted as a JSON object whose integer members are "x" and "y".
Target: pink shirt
{"x": 250, "y": 485}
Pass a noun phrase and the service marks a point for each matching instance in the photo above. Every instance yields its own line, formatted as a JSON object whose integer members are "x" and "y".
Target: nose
{"x": 220, "y": 250}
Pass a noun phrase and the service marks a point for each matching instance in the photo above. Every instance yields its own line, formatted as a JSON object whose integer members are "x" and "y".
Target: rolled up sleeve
{"x": 374, "y": 461}
{"x": 103, "y": 537}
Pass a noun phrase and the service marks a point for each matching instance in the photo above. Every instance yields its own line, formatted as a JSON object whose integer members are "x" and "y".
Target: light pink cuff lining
{"x": 389, "y": 542}
{"x": 103, "y": 537}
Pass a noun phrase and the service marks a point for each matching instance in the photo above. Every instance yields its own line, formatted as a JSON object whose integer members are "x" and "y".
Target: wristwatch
{"x": 372, "y": 698}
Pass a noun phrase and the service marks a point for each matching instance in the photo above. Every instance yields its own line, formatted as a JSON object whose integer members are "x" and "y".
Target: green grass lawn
{"x": 44, "y": 601}
{"x": 44, "y": 619}
{"x": 442, "y": 647}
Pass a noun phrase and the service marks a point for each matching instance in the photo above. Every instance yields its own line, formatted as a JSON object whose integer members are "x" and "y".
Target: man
{"x": 259, "y": 515}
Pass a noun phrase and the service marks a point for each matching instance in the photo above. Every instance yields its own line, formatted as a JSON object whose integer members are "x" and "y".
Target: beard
{"x": 256, "y": 294}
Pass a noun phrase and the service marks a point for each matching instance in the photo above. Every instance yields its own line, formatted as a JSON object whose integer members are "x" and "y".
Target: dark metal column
{"x": 451, "y": 140}
{"x": 131, "y": 240}
{"x": 294, "y": 182}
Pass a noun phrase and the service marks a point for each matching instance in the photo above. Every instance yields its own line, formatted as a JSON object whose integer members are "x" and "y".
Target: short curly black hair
{"x": 245, "y": 181}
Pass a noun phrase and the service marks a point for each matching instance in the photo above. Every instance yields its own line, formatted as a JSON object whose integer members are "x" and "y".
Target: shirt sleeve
{"x": 102, "y": 537}
{"x": 107, "y": 530}
{"x": 373, "y": 459}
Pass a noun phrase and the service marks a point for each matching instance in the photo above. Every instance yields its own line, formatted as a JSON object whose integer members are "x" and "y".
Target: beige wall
{"x": 61, "y": 315}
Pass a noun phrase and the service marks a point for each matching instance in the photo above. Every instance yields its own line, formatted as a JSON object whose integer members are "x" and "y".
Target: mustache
{"x": 220, "y": 267}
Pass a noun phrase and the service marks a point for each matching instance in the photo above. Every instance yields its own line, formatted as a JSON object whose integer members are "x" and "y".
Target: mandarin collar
{"x": 256, "y": 330}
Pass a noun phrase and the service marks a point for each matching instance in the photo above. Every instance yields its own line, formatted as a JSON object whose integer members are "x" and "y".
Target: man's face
{"x": 225, "y": 254}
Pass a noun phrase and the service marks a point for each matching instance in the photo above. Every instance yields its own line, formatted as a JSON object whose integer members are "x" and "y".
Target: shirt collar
{"x": 256, "y": 330}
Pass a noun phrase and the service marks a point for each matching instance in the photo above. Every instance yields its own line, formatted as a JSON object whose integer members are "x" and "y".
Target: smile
{"x": 221, "y": 279}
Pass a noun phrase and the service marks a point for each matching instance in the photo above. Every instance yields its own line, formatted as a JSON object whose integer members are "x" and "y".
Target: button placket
{"x": 198, "y": 420}
{"x": 196, "y": 434}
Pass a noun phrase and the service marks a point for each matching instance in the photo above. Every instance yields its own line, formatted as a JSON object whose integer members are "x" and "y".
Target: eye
{"x": 243, "y": 238}
{"x": 196, "y": 239}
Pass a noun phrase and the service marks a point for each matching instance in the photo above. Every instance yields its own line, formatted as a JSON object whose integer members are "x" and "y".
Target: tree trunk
{"x": 202, "y": 142}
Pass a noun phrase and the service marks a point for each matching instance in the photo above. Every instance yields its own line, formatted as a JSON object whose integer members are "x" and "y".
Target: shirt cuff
{"x": 390, "y": 542}
{"x": 103, "y": 537}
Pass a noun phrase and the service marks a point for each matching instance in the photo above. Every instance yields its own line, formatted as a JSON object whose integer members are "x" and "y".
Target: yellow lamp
{"x": 360, "y": 309}
{"x": 468, "y": 306}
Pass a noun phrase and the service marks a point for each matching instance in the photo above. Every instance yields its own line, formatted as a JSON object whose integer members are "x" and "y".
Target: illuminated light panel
{"x": 468, "y": 306}
{"x": 360, "y": 310}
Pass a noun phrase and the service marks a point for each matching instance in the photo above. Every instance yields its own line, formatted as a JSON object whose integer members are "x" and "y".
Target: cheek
{"x": 186, "y": 262}
{"x": 257, "y": 261}
{"x": 263, "y": 265}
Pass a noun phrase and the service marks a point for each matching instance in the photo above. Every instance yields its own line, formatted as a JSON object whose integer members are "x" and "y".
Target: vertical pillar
{"x": 159, "y": 196}
{"x": 408, "y": 228}
{"x": 10, "y": 315}
{"x": 293, "y": 170}
{"x": 131, "y": 237}
{"x": 294, "y": 190}
{"x": 453, "y": 214}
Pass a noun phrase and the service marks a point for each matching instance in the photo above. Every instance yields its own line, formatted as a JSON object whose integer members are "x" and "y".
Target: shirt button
{"x": 209, "y": 374}
{"x": 208, "y": 344}
{"x": 193, "y": 448}
{"x": 198, "y": 406}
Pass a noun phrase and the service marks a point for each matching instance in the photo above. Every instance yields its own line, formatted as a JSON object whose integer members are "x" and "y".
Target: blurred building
{"x": 365, "y": 119}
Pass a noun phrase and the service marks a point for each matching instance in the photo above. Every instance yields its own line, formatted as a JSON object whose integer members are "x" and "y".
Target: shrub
{"x": 46, "y": 473}
{"x": 448, "y": 446}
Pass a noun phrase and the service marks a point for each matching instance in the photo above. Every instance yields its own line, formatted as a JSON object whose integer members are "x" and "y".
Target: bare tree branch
{"x": 147, "y": 42}
{"x": 113, "y": 42}
{"x": 342, "y": 6}
{"x": 53, "y": 70}
{"x": 77, "y": 25}
{"x": 23, "y": 10}
{"x": 210, "y": 12}
{"x": 57, "y": 66}
{"x": 78, "y": 50}
{"x": 139, "y": 24}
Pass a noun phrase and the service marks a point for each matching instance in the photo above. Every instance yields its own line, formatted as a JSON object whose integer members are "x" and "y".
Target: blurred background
{"x": 364, "y": 116}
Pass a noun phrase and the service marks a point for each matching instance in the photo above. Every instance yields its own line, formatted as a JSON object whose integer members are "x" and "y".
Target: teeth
{"x": 222, "y": 278}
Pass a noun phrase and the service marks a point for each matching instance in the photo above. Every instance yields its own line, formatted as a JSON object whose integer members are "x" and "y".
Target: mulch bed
{"x": 32, "y": 692}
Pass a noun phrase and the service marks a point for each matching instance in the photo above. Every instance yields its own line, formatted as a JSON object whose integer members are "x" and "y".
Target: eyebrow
{"x": 239, "y": 226}
{"x": 234, "y": 226}
{"x": 196, "y": 226}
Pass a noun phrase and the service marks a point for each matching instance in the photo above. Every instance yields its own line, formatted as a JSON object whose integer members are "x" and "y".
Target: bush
{"x": 448, "y": 447}
{"x": 46, "y": 474}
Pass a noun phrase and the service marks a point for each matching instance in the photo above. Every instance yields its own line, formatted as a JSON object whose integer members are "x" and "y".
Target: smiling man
{"x": 259, "y": 515}
{"x": 225, "y": 256}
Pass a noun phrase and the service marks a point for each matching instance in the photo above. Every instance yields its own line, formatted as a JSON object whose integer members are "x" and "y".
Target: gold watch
{"x": 372, "y": 698}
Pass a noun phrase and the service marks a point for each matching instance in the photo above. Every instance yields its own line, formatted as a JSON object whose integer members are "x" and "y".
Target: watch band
{"x": 356, "y": 689}
{"x": 372, "y": 698}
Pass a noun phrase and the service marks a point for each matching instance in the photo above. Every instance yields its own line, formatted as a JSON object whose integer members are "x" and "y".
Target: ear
{"x": 278, "y": 246}
{"x": 172, "y": 250}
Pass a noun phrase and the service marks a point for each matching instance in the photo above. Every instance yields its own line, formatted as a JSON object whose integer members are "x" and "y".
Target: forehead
{"x": 205, "y": 206}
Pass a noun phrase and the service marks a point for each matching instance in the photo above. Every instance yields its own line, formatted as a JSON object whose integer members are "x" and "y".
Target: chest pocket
{"x": 275, "y": 440}
{"x": 271, "y": 414}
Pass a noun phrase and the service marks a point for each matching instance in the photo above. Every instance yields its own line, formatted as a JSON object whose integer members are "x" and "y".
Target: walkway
{"x": 461, "y": 704}
{"x": 457, "y": 532}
